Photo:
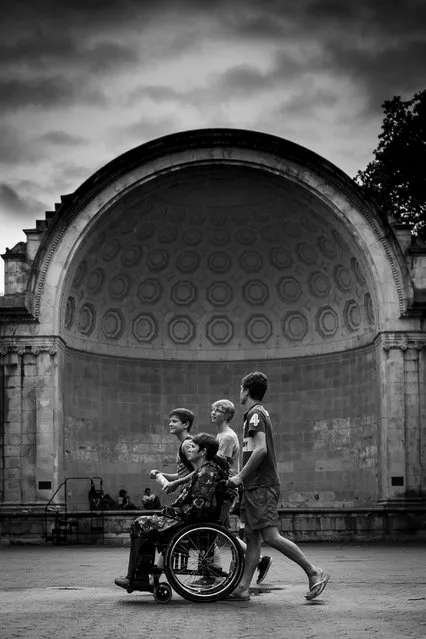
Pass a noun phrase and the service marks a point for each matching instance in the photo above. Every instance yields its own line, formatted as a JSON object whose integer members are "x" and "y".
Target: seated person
{"x": 196, "y": 502}
{"x": 150, "y": 501}
{"x": 124, "y": 500}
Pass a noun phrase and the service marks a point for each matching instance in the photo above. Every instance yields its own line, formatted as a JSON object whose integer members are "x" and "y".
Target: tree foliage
{"x": 396, "y": 178}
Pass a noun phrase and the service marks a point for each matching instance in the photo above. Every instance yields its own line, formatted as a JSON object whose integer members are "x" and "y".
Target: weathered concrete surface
{"x": 376, "y": 591}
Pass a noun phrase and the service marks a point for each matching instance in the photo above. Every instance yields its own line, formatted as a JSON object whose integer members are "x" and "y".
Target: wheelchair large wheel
{"x": 204, "y": 562}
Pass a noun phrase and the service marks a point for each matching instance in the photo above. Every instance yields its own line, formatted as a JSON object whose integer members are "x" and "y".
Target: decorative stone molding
{"x": 35, "y": 349}
{"x": 400, "y": 344}
{"x": 403, "y": 341}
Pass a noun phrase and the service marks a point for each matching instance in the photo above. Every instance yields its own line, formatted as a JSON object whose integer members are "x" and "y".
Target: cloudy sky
{"x": 82, "y": 81}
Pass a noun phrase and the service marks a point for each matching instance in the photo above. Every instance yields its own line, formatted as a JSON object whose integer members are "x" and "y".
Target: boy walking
{"x": 259, "y": 507}
{"x": 222, "y": 412}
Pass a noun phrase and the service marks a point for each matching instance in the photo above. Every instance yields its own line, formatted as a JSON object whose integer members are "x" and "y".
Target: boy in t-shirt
{"x": 259, "y": 476}
{"x": 222, "y": 412}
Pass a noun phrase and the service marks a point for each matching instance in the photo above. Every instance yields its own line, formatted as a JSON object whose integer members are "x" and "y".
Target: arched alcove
{"x": 190, "y": 261}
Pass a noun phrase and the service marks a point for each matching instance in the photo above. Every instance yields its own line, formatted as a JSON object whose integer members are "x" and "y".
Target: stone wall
{"x": 318, "y": 524}
{"x": 323, "y": 409}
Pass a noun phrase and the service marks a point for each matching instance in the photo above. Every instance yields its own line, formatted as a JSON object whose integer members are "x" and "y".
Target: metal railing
{"x": 62, "y": 513}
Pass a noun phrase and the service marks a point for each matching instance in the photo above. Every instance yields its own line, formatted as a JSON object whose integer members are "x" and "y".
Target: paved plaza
{"x": 376, "y": 591}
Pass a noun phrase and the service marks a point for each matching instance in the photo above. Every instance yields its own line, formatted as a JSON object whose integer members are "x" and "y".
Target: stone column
{"x": 412, "y": 419}
{"x": 402, "y": 447}
{"x": 32, "y": 423}
{"x": 422, "y": 413}
{"x": 392, "y": 422}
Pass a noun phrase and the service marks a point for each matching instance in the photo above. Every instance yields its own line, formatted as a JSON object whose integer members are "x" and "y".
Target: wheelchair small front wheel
{"x": 162, "y": 593}
{"x": 204, "y": 562}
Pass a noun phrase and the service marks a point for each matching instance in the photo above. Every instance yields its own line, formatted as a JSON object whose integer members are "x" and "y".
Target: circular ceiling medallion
{"x": 167, "y": 234}
{"x": 307, "y": 253}
{"x": 319, "y": 284}
{"x": 280, "y": 258}
{"x": 79, "y": 275}
{"x": 251, "y": 262}
{"x": 110, "y": 250}
{"x": 187, "y": 262}
{"x": 289, "y": 289}
{"x": 197, "y": 217}
{"x": 295, "y": 326}
{"x": 327, "y": 247}
{"x": 368, "y": 303}
{"x": 343, "y": 278}
{"x": 149, "y": 291}
{"x": 352, "y": 315}
{"x": 181, "y": 329}
{"x": 157, "y": 260}
{"x": 255, "y": 292}
{"x": 183, "y": 293}
{"x": 95, "y": 281}
{"x": 219, "y": 294}
{"x": 357, "y": 272}
{"x": 219, "y": 262}
{"x": 131, "y": 255}
{"x": 258, "y": 329}
{"x": 69, "y": 312}
{"x": 270, "y": 233}
{"x": 113, "y": 324}
{"x": 219, "y": 330}
{"x": 86, "y": 319}
{"x": 245, "y": 236}
{"x": 219, "y": 237}
{"x": 193, "y": 237}
{"x": 326, "y": 321}
{"x": 119, "y": 286}
{"x": 145, "y": 328}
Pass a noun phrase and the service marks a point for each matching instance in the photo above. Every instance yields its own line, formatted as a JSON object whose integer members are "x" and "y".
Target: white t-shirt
{"x": 229, "y": 447}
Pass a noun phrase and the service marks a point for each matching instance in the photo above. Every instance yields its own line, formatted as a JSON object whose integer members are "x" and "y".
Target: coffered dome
{"x": 218, "y": 262}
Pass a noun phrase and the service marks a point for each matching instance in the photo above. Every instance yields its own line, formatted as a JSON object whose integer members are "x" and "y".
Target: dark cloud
{"x": 13, "y": 204}
{"x": 146, "y": 128}
{"x": 15, "y": 147}
{"x": 44, "y": 52}
{"x": 61, "y": 138}
{"x": 239, "y": 81}
{"x": 46, "y": 93}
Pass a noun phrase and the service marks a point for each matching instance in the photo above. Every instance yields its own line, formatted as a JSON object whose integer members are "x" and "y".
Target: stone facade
{"x": 178, "y": 268}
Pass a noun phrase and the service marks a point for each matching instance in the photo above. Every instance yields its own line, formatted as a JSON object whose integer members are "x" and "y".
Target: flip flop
{"x": 318, "y": 588}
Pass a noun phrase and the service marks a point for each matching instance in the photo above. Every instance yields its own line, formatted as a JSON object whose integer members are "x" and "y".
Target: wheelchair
{"x": 202, "y": 562}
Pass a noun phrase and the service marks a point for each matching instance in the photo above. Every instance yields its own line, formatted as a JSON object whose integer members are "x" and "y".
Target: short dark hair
{"x": 256, "y": 383}
{"x": 207, "y": 441}
{"x": 185, "y": 415}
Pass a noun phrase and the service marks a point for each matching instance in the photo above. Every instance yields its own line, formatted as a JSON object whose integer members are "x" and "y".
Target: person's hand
{"x": 234, "y": 481}
{"x": 153, "y": 473}
{"x": 171, "y": 487}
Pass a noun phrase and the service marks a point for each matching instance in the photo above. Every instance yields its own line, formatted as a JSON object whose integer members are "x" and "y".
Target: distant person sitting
{"x": 95, "y": 497}
{"x": 150, "y": 501}
{"x": 108, "y": 503}
{"x": 124, "y": 501}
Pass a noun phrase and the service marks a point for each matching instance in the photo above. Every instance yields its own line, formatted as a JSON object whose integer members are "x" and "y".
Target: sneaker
{"x": 263, "y": 567}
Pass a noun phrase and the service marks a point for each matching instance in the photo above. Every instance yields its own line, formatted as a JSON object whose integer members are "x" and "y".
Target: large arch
{"x": 194, "y": 258}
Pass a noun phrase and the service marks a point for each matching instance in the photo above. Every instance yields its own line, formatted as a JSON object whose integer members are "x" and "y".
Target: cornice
{"x": 27, "y": 346}
{"x": 402, "y": 341}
